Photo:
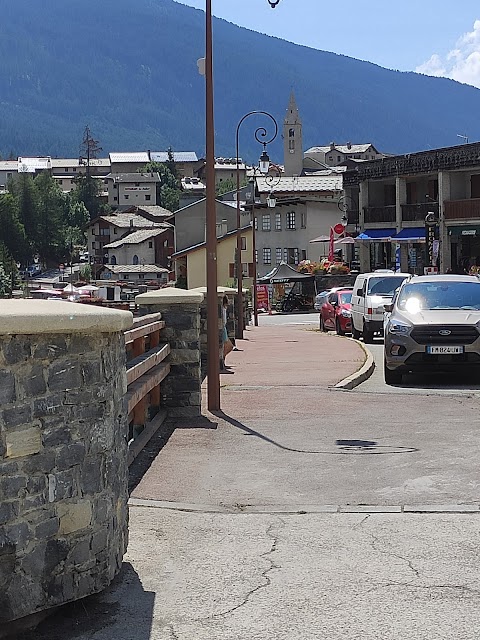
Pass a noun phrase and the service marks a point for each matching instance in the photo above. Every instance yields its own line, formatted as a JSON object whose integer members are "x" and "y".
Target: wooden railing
{"x": 468, "y": 209}
{"x": 386, "y": 213}
{"x": 146, "y": 368}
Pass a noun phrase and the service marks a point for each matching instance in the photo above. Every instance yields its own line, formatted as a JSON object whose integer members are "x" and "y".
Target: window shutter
{"x": 231, "y": 270}
{"x": 251, "y": 270}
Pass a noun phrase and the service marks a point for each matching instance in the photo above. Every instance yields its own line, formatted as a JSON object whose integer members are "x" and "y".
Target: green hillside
{"x": 127, "y": 68}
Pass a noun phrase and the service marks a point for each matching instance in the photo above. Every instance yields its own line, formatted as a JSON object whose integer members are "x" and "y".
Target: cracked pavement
{"x": 286, "y": 517}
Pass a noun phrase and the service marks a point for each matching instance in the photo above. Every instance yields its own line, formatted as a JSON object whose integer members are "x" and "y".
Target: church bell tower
{"x": 292, "y": 140}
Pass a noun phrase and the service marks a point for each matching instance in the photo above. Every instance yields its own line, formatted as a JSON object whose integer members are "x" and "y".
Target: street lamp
{"x": 264, "y": 166}
{"x": 213, "y": 343}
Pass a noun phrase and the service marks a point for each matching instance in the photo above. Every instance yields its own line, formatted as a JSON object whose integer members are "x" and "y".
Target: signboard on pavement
{"x": 262, "y": 296}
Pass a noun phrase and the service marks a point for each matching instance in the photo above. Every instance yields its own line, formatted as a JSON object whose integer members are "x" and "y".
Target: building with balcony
{"x": 392, "y": 197}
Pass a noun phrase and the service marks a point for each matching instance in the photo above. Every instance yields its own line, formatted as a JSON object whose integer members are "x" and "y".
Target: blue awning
{"x": 377, "y": 235}
{"x": 414, "y": 234}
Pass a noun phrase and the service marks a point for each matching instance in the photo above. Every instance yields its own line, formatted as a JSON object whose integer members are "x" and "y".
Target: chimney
{"x": 349, "y": 145}
{"x": 332, "y": 146}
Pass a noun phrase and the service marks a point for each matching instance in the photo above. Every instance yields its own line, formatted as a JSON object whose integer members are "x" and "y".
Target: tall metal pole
{"x": 254, "y": 249}
{"x": 213, "y": 336}
{"x": 260, "y": 135}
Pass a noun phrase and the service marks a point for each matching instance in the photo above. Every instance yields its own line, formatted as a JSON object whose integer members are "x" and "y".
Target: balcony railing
{"x": 145, "y": 371}
{"x": 468, "y": 209}
{"x": 380, "y": 214}
{"x": 417, "y": 212}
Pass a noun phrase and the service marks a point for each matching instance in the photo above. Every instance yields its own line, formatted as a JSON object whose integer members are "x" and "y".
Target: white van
{"x": 371, "y": 292}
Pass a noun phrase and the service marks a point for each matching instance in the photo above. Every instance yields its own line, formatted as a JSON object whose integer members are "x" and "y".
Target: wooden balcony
{"x": 380, "y": 214}
{"x": 417, "y": 212}
{"x": 466, "y": 209}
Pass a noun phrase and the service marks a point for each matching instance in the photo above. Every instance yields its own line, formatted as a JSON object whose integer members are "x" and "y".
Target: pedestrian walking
{"x": 227, "y": 343}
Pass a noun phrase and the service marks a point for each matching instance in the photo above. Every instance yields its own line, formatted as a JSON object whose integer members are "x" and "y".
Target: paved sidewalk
{"x": 299, "y": 512}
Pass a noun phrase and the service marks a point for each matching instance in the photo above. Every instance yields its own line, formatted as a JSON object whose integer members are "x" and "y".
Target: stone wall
{"x": 180, "y": 392}
{"x": 63, "y": 453}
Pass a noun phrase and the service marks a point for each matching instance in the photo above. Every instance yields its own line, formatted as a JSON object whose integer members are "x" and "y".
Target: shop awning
{"x": 376, "y": 235}
{"x": 414, "y": 234}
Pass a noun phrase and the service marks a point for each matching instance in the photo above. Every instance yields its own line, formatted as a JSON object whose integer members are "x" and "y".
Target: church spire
{"x": 292, "y": 140}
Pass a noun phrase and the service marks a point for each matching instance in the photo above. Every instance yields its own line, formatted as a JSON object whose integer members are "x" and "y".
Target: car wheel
{"x": 355, "y": 333}
{"x": 367, "y": 335}
{"x": 322, "y": 325}
{"x": 338, "y": 328}
{"x": 391, "y": 377}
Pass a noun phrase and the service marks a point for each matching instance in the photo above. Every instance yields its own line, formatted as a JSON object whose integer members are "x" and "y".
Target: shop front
{"x": 410, "y": 243}
{"x": 376, "y": 249}
{"x": 464, "y": 243}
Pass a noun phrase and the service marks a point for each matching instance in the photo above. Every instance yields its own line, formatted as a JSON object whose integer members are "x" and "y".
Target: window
{"x": 245, "y": 271}
{"x": 330, "y": 158}
{"x": 292, "y": 256}
{"x": 113, "y": 260}
{"x": 244, "y": 243}
{"x": 137, "y": 184}
{"x": 125, "y": 276}
{"x": 291, "y": 220}
{"x": 141, "y": 276}
{"x": 9, "y": 175}
{"x": 285, "y": 255}
{"x": 147, "y": 197}
{"x": 150, "y": 244}
{"x": 291, "y": 133}
{"x": 278, "y": 222}
{"x": 66, "y": 169}
{"x": 339, "y": 158}
{"x": 93, "y": 245}
{"x": 93, "y": 231}
{"x": 291, "y": 145}
{"x": 278, "y": 255}
{"x": 135, "y": 259}
{"x": 304, "y": 254}
{"x": 255, "y": 223}
{"x": 126, "y": 196}
{"x": 303, "y": 220}
{"x": 267, "y": 255}
{"x": 266, "y": 222}
{"x": 115, "y": 198}
{"x": 256, "y": 256}
{"x": 60, "y": 181}
{"x": 115, "y": 231}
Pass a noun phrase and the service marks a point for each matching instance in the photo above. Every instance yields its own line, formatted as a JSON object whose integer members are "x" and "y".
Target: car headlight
{"x": 346, "y": 313}
{"x": 396, "y": 327}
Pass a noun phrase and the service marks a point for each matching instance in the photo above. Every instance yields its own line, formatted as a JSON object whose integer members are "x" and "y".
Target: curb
{"x": 251, "y": 509}
{"x": 359, "y": 376}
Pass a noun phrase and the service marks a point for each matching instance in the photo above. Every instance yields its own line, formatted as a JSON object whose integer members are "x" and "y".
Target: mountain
{"x": 127, "y": 68}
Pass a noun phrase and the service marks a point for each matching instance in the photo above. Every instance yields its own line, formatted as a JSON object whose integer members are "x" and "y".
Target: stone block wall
{"x": 181, "y": 391}
{"x": 63, "y": 453}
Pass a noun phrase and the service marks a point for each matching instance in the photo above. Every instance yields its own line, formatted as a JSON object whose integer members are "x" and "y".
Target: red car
{"x": 336, "y": 312}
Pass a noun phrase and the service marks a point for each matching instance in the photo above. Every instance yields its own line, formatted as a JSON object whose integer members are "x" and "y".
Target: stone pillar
{"x": 63, "y": 453}
{"x": 364, "y": 247}
{"x": 180, "y": 392}
{"x": 444, "y": 193}
{"x": 401, "y": 198}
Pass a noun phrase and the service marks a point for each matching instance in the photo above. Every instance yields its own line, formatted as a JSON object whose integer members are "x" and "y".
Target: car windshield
{"x": 439, "y": 295}
{"x": 384, "y": 286}
{"x": 345, "y": 298}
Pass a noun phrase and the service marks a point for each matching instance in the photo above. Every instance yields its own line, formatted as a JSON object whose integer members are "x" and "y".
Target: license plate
{"x": 437, "y": 349}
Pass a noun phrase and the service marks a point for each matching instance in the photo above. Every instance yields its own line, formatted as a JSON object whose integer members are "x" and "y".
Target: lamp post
{"x": 213, "y": 343}
{"x": 264, "y": 166}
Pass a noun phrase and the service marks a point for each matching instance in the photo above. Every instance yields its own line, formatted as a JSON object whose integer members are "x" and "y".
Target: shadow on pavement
{"x": 346, "y": 447}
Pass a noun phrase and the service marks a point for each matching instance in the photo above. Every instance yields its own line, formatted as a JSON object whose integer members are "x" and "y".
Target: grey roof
{"x": 75, "y": 162}
{"x": 343, "y": 148}
{"x": 137, "y": 237}
{"x": 135, "y": 268}
{"x": 178, "y": 156}
{"x": 301, "y": 184}
{"x": 122, "y": 220}
{"x": 155, "y": 210}
{"x": 8, "y": 165}
{"x": 130, "y": 156}
{"x": 133, "y": 177}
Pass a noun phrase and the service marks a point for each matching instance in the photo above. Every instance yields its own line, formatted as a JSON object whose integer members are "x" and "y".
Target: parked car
{"x": 32, "y": 270}
{"x": 336, "y": 313}
{"x": 434, "y": 324}
{"x": 320, "y": 298}
{"x": 371, "y": 292}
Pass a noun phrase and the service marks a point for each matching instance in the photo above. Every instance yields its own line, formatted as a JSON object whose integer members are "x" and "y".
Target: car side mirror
{"x": 388, "y": 308}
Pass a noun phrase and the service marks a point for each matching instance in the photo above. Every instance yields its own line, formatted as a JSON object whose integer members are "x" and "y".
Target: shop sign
{"x": 262, "y": 296}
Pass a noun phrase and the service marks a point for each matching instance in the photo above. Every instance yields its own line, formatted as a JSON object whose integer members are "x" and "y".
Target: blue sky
{"x": 436, "y": 37}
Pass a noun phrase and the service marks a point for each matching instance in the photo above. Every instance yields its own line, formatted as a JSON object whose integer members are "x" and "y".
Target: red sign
{"x": 339, "y": 228}
{"x": 262, "y": 296}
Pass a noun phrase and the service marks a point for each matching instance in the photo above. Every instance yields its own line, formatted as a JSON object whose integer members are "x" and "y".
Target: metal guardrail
{"x": 146, "y": 368}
